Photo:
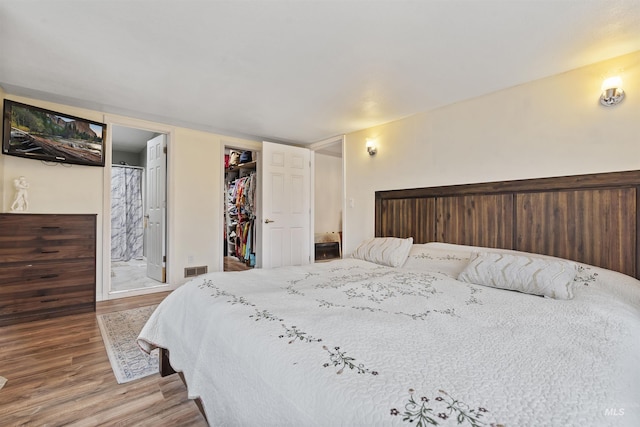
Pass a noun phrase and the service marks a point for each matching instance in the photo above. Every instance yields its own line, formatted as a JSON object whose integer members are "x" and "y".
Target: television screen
{"x": 40, "y": 134}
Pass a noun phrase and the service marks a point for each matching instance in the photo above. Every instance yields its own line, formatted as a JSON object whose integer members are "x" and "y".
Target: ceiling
{"x": 130, "y": 140}
{"x": 296, "y": 71}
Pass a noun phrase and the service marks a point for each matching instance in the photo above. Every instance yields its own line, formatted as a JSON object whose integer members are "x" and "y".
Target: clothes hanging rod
{"x": 115, "y": 165}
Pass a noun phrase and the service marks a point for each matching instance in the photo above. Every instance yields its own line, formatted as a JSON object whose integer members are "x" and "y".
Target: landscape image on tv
{"x": 47, "y": 135}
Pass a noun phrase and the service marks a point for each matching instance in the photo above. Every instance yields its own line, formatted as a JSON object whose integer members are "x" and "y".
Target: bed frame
{"x": 587, "y": 218}
{"x": 166, "y": 370}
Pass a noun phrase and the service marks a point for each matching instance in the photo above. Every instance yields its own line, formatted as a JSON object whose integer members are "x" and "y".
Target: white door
{"x": 156, "y": 207}
{"x": 286, "y": 215}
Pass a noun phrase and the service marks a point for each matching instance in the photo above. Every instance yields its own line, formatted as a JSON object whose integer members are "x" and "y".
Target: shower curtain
{"x": 127, "y": 229}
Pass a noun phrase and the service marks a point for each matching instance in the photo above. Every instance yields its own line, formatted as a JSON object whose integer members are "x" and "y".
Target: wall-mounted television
{"x": 36, "y": 133}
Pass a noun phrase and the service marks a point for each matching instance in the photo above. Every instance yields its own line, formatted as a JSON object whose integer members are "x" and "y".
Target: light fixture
{"x": 371, "y": 146}
{"x": 612, "y": 92}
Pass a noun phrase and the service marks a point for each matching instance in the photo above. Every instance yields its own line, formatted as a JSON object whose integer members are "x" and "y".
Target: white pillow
{"x": 431, "y": 258}
{"x": 391, "y": 251}
{"x": 528, "y": 274}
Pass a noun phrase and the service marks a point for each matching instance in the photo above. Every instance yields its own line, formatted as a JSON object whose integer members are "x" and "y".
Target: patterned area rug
{"x": 119, "y": 333}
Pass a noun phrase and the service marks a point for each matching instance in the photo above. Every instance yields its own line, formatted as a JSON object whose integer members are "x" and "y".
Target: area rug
{"x": 119, "y": 333}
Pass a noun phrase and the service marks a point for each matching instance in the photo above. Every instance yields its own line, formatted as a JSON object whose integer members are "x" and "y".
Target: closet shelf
{"x": 248, "y": 165}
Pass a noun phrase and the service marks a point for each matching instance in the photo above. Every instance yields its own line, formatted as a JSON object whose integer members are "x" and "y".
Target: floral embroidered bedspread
{"x": 351, "y": 343}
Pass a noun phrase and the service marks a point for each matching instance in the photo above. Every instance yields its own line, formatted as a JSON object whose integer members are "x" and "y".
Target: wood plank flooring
{"x": 233, "y": 264}
{"x": 59, "y": 374}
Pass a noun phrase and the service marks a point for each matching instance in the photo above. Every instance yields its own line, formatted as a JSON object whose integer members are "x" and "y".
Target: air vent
{"x": 195, "y": 271}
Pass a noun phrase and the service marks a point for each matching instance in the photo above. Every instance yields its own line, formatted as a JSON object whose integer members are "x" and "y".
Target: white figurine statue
{"x": 21, "y": 202}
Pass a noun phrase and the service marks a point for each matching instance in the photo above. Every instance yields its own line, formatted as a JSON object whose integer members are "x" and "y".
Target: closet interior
{"x": 240, "y": 209}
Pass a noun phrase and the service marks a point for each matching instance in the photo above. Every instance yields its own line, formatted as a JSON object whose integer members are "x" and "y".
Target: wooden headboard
{"x": 587, "y": 218}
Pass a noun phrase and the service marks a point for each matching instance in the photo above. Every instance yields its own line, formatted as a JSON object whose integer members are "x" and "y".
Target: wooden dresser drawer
{"x": 39, "y": 237}
{"x": 47, "y": 266}
{"x": 28, "y": 306}
{"x": 24, "y": 277}
{"x": 39, "y": 249}
{"x": 46, "y": 225}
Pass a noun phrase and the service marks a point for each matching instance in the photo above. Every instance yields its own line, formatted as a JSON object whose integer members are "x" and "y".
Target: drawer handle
{"x": 48, "y": 252}
{"x": 49, "y": 227}
{"x": 49, "y": 276}
{"x": 50, "y": 300}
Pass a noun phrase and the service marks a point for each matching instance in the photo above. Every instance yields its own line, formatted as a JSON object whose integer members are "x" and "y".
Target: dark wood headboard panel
{"x": 587, "y": 218}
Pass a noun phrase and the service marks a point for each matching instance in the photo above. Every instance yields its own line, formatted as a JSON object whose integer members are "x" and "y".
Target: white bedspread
{"x": 351, "y": 343}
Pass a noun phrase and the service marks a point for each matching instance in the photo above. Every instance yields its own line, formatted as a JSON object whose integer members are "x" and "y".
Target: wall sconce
{"x": 612, "y": 92}
{"x": 371, "y": 146}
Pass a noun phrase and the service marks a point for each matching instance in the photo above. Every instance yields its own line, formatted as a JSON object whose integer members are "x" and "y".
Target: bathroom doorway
{"x": 138, "y": 170}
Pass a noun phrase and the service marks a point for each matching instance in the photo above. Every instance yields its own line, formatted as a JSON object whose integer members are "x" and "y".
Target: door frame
{"x": 169, "y": 131}
{"x": 317, "y": 146}
{"x": 241, "y": 145}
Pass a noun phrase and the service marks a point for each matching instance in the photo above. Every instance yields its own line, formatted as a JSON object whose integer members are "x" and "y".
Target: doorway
{"x": 240, "y": 209}
{"x": 137, "y": 240}
{"x": 282, "y": 216}
{"x": 328, "y": 199}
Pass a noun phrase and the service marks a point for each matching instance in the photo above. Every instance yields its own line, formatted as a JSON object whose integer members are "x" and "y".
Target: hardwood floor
{"x": 232, "y": 264}
{"x": 59, "y": 374}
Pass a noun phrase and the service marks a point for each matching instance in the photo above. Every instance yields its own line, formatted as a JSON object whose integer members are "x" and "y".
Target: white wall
{"x": 57, "y": 187}
{"x": 194, "y": 185}
{"x": 197, "y": 171}
{"x": 327, "y": 193}
{"x": 131, "y": 159}
{"x": 550, "y": 127}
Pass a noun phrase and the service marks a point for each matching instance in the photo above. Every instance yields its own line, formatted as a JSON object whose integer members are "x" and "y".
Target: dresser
{"x": 47, "y": 266}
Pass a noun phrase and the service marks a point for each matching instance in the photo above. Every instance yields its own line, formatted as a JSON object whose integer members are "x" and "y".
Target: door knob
{"x": 267, "y": 221}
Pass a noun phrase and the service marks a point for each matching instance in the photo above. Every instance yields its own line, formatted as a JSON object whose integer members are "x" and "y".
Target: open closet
{"x": 240, "y": 204}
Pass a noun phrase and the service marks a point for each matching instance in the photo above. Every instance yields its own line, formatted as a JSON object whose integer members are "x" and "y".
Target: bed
{"x": 391, "y": 336}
